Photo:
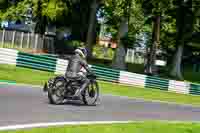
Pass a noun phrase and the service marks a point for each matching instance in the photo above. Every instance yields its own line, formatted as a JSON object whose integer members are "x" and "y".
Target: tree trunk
{"x": 153, "y": 49}
{"x": 176, "y": 69}
{"x": 120, "y": 53}
{"x": 119, "y": 58}
{"x": 41, "y": 21}
{"x": 184, "y": 24}
{"x": 90, "y": 35}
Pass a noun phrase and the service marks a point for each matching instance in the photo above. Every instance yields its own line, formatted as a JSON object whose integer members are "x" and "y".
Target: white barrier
{"x": 12, "y": 57}
{"x": 8, "y": 56}
{"x": 61, "y": 66}
{"x": 179, "y": 87}
{"x": 132, "y": 79}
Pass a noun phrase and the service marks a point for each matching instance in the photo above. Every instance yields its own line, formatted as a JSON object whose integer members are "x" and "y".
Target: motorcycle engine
{"x": 72, "y": 87}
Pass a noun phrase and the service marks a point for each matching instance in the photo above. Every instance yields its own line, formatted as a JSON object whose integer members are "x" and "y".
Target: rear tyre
{"x": 91, "y": 94}
{"x": 56, "y": 92}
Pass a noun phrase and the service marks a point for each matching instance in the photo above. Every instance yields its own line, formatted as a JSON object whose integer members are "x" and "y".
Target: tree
{"x": 156, "y": 10}
{"x": 41, "y": 21}
{"x": 79, "y": 16}
{"x": 53, "y": 9}
{"x": 126, "y": 20}
{"x": 43, "y": 11}
{"x": 3, "y": 6}
{"x": 186, "y": 15}
{"x": 14, "y": 11}
{"x": 92, "y": 22}
{"x": 120, "y": 53}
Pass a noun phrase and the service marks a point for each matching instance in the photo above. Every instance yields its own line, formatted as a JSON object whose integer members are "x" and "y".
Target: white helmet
{"x": 82, "y": 52}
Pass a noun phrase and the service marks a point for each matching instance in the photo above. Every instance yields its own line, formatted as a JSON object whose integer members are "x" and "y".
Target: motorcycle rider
{"x": 75, "y": 69}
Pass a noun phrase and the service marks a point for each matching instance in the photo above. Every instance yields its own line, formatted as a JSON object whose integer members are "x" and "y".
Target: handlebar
{"x": 91, "y": 76}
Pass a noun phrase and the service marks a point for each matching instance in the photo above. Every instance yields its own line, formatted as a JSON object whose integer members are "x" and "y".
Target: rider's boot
{"x": 79, "y": 91}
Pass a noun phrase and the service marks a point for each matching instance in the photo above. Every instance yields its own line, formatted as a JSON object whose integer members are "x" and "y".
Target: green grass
{"x": 149, "y": 94}
{"x": 144, "y": 127}
{"x": 8, "y": 45}
{"x": 16, "y": 47}
{"x": 22, "y": 75}
{"x": 35, "y": 77}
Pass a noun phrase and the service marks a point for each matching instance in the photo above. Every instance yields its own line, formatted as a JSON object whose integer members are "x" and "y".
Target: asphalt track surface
{"x": 25, "y": 105}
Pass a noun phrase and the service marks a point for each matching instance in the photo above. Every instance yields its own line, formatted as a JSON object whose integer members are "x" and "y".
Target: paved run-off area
{"x": 25, "y": 105}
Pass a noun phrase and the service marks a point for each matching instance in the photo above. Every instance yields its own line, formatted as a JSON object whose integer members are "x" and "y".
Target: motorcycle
{"x": 61, "y": 88}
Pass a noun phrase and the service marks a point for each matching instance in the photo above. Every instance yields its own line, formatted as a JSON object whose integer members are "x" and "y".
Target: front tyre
{"x": 56, "y": 92}
{"x": 91, "y": 94}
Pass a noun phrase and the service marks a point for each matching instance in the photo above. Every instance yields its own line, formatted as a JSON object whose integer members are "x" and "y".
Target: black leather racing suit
{"x": 74, "y": 67}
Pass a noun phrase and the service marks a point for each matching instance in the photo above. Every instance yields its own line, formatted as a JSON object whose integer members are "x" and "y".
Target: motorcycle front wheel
{"x": 91, "y": 94}
{"x": 56, "y": 94}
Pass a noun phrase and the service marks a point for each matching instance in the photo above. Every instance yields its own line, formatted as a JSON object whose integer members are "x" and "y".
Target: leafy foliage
{"x": 114, "y": 11}
{"x": 15, "y": 11}
{"x": 167, "y": 10}
{"x": 52, "y": 9}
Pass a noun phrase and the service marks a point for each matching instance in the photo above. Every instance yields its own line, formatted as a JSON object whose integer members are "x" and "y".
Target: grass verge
{"x": 23, "y": 75}
{"x": 144, "y": 127}
{"x": 35, "y": 77}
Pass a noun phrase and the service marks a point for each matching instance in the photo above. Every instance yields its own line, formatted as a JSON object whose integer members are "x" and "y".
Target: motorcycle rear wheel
{"x": 56, "y": 93}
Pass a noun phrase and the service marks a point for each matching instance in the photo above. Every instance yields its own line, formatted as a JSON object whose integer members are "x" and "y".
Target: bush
{"x": 102, "y": 52}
